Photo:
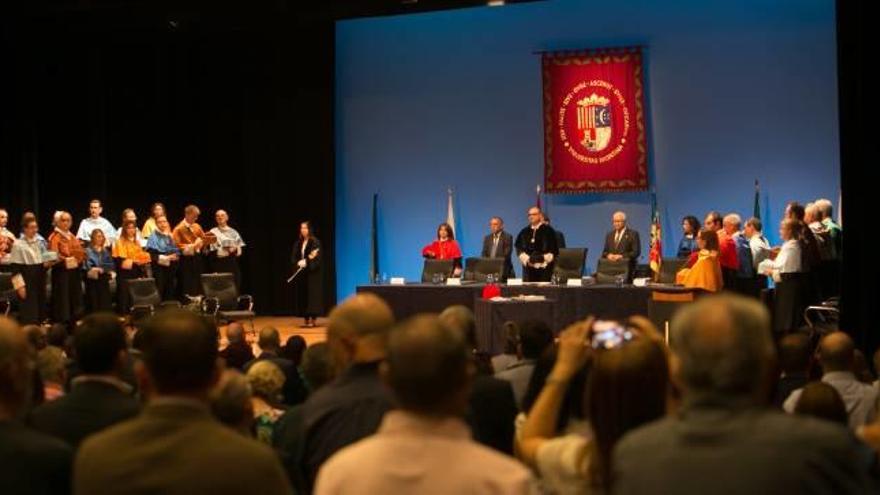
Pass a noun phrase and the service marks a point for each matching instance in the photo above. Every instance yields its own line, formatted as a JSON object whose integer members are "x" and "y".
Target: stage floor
{"x": 286, "y": 325}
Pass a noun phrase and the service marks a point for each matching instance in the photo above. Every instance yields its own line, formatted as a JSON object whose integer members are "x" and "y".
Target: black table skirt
{"x": 491, "y": 316}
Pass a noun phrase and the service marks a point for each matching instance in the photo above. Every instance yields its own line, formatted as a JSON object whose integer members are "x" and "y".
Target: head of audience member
{"x": 179, "y": 355}
{"x": 64, "y": 221}
{"x": 191, "y": 214}
{"x": 461, "y": 319}
{"x": 97, "y": 239}
{"x": 266, "y": 380}
{"x": 753, "y": 227}
{"x": 4, "y": 218}
{"x": 824, "y": 208}
{"x": 821, "y": 400}
{"x": 795, "y": 354}
{"x": 95, "y": 209}
{"x": 811, "y": 214}
{"x": 317, "y": 366}
{"x": 444, "y": 232}
{"x": 231, "y": 401}
{"x": 690, "y": 226}
{"x": 357, "y": 330}
{"x": 627, "y": 388}
{"x": 305, "y": 230}
{"x": 790, "y": 229}
{"x": 860, "y": 367}
{"x": 731, "y": 224}
{"x": 496, "y": 224}
{"x": 294, "y": 348}
{"x": 52, "y": 366}
{"x": 511, "y": 337}
{"x": 16, "y": 370}
{"x": 235, "y": 333}
{"x": 128, "y": 215}
{"x": 269, "y": 340}
{"x": 428, "y": 368}
{"x": 36, "y": 337}
{"x": 713, "y": 221}
{"x": 708, "y": 240}
{"x": 29, "y": 226}
{"x": 57, "y": 336}
{"x": 222, "y": 218}
{"x": 157, "y": 210}
{"x": 162, "y": 225}
{"x": 836, "y": 352}
{"x": 534, "y": 336}
{"x": 795, "y": 211}
{"x": 535, "y": 216}
{"x": 722, "y": 351}
{"x": 101, "y": 345}
{"x": 618, "y": 221}
{"x": 129, "y": 230}
{"x": 574, "y": 406}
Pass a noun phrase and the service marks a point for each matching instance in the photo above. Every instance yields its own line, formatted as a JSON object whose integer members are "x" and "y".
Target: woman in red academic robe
{"x": 445, "y": 248}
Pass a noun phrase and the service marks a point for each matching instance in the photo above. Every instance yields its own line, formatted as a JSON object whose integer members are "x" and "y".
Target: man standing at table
{"x": 536, "y": 248}
{"x": 499, "y": 244}
{"x": 95, "y": 221}
{"x": 622, "y": 243}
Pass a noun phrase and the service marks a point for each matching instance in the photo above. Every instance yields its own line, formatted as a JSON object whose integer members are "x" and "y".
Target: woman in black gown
{"x": 308, "y": 285}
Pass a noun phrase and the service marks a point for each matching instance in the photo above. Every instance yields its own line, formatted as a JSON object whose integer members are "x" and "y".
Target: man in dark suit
{"x": 175, "y": 446}
{"x": 499, "y": 244}
{"x": 622, "y": 243}
{"x": 294, "y": 390}
{"x": 725, "y": 439}
{"x": 238, "y": 352}
{"x": 30, "y": 462}
{"x": 99, "y": 397}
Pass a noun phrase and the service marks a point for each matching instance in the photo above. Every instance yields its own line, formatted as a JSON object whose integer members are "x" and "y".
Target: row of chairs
{"x": 570, "y": 263}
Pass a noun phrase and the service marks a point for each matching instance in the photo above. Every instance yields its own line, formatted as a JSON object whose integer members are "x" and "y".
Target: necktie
{"x": 494, "y": 246}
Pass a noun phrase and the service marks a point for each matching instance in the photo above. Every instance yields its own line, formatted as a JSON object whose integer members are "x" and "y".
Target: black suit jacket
{"x": 492, "y": 413}
{"x": 295, "y": 391}
{"x": 629, "y": 246}
{"x": 90, "y": 406}
{"x": 505, "y": 248}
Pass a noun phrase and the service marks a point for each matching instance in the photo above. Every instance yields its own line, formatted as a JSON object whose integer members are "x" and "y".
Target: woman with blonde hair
{"x": 267, "y": 381}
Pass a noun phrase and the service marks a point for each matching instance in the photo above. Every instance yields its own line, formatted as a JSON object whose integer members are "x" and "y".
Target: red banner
{"x": 594, "y": 121}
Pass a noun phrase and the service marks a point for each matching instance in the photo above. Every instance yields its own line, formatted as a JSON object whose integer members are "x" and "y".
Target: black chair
{"x": 570, "y": 263}
{"x": 442, "y": 267}
{"x": 669, "y": 267}
{"x": 223, "y": 301}
{"x": 608, "y": 271}
{"x": 476, "y": 269}
{"x": 145, "y": 298}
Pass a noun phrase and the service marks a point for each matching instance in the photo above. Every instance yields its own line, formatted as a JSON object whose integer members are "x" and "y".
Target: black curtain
{"x": 134, "y": 106}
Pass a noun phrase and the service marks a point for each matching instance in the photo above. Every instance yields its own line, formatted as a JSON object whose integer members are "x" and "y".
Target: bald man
{"x": 622, "y": 243}
{"x": 836, "y": 355}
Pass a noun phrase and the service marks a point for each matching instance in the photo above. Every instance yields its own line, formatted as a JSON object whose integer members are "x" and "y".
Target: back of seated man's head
{"x": 269, "y": 339}
{"x": 836, "y": 352}
{"x": 821, "y": 400}
{"x": 52, "y": 365}
{"x": 534, "y": 337}
{"x": 16, "y": 368}
{"x": 100, "y": 344}
{"x": 795, "y": 352}
{"x": 179, "y": 354}
{"x": 317, "y": 365}
{"x": 231, "y": 401}
{"x": 57, "y": 335}
{"x": 722, "y": 349}
{"x": 357, "y": 329}
{"x": 461, "y": 318}
{"x": 235, "y": 333}
{"x": 428, "y": 367}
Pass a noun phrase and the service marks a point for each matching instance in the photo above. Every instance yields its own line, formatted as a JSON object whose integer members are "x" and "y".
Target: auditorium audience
{"x": 53, "y": 372}
{"x": 350, "y": 407}
{"x": 724, "y": 440}
{"x": 293, "y": 349}
{"x": 795, "y": 356}
{"x": 821, "y": 400}
{"x": 175, "y": 446}
{"x": 30, "y": 462}
{"x": 836, "y": 355}
{"x": 231, "y": 402}
{"x": 238, "y": 351}
{"x": 98, "y": 396}
{"x": 269, "y": 341}
{"x": 508, "y": 355}
{"x": 534, "y": 336}
{"x": 627, "y": 388}
{"x": 267, "y": 381}
{"x": 424, "y": 446}
{"x": 317, "y": 366}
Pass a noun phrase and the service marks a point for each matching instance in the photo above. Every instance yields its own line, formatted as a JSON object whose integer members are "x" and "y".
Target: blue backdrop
{"x": 736, "y": 91}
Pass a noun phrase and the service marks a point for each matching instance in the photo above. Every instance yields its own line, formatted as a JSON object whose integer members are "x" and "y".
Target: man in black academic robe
{"x": 536, "y": 248}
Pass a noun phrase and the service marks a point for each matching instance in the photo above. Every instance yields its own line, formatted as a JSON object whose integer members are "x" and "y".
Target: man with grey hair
{"x": 231, "y": 401}
{"x": 237, "y": 352}
{"x": 430, "y": 371}
{"x": 622, "y": 243}
{"x": 294, "y": 390}
{"x": 350, "y": 407}
{"x": 725, "y": 439}
{"x": 837, "y": 355}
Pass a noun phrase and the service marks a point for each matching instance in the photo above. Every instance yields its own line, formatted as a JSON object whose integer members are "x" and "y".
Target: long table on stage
{"x": 566, "y": 304}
